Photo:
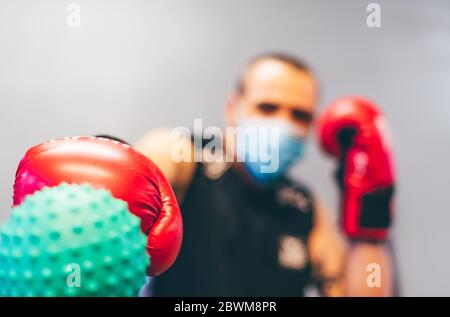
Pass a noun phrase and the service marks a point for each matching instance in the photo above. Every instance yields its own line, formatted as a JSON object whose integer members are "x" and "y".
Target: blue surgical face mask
{"x": 268, "y": 147}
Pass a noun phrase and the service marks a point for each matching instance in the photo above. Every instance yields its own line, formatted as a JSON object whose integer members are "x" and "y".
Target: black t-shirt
{"x": 240, "y": 240}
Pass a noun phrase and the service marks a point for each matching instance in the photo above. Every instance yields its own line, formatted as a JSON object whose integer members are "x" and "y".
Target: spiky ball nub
{"x": 72, "y": 240}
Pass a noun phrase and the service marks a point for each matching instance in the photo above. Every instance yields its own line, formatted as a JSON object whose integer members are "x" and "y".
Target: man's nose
{"x": 285, "y": 113}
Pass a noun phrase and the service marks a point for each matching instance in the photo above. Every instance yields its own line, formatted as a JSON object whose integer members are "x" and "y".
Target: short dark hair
{"x": 288, "y": 59}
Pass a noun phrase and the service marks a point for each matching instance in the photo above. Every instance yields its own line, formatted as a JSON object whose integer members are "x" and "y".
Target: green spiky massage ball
{"x": 72, "y": 240}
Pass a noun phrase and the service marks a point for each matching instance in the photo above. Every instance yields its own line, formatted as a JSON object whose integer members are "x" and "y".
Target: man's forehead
{"x": 276, "y": 78}
{"x": 266, "y": 69}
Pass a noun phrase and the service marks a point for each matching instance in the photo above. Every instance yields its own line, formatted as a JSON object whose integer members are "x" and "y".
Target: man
{"x": 249, "y": 233}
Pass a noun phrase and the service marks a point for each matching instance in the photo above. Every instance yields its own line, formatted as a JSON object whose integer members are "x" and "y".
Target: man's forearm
{"x": 369, "y": 270}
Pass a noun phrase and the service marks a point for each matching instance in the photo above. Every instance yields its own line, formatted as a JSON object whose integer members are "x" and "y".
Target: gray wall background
{"x": 135, "y": 65}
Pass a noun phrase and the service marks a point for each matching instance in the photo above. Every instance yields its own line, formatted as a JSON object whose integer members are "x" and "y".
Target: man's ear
{"x": 232, "y": 109}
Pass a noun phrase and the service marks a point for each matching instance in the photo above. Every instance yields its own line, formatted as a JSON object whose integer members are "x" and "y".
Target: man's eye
{"x": 268, "y": 107}
{"x": 302, "y": 116}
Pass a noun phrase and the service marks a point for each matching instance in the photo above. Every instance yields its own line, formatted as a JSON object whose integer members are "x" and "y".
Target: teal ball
{"x": 72, "y": 240}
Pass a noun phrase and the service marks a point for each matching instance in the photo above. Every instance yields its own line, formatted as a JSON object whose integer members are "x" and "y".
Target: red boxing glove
{"x": 114, "y": 166}
{"x": 354, "y": 131}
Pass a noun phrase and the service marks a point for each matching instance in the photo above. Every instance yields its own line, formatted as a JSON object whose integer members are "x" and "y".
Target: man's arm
{"x": 328, "y": 251}
{"x": 348, "y": 268}
{"x": 161, "y": 146}
{"x": 369, "y": 270}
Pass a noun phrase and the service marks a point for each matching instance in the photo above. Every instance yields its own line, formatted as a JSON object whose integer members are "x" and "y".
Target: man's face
{"x": 274, "y": 89}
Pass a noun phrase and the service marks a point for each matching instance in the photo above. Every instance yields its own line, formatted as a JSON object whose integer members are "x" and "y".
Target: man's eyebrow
{"x": 298, "y": 107}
